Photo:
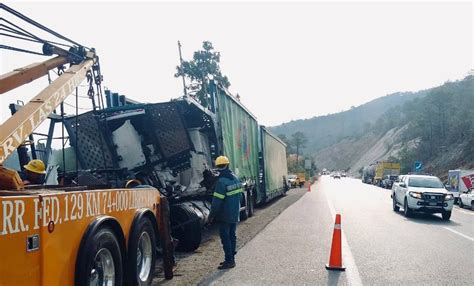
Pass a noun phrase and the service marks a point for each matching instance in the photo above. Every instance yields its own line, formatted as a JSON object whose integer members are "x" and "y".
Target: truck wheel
{"x": 250, "y": 203}
{"x": 406, "y": 210}
{"x": 186, "y": 227}
{"x": 245, "y": 213}
{"x": 396, "y": 208}
{"x": 460, "y": 203}
{"x": 100, "y": 261}
{"x": 446, "y": 215}
{"x": 472, "y": 206}
{"x": 141, "y": 251}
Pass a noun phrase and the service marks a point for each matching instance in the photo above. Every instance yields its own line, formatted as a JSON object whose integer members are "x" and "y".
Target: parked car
{"x": 337, "y": 175}
{"x": 344, "y": 175}
{"x": 292, "y": 180}
{"x": 388, "y": 180}
{"x": 466, "y": 198}
{"x": 424, "y": 194}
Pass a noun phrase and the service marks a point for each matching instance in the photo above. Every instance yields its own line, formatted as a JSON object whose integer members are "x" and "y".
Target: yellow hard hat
{"x": 36, "y": 166}
{"x": 222, "y": 160}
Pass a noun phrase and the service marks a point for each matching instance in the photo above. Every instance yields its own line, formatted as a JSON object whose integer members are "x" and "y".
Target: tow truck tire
{"x": 446, "y": 215}
{"x": 396, "y": 208}
{"x": 186, "y": 227}
{"x": 406, "y": 210}
{"x": 472, "y": 206}
{"x": 100, "y": 257}
{"x": 141, "y": 253}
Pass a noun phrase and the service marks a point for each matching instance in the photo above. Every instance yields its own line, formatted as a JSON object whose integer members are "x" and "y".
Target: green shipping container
{"x": 239, "y": 130}
{"x": 274, "y": 165}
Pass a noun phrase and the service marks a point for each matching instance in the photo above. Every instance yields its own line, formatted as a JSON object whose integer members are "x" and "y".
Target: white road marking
{"x": 464, "y": 211}
{"x": 460, "y": 234}
{"x": 353, "y": 277}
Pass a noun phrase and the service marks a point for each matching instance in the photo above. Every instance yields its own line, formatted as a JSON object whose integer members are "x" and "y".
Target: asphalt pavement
{"x": 380, "y": 246}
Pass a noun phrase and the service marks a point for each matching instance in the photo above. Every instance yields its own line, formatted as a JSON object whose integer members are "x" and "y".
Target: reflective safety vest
{"x": 226, "y": 200}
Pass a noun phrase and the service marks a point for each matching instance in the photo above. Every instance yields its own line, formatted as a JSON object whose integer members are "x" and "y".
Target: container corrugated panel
{"x": 240, "y": 137}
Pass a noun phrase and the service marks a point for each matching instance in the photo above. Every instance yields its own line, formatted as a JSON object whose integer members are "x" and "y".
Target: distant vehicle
{"x": 460, "y": 181}
{"x": 301, "y": 180}
{"x": 466, "y": 198}
{"x": 388, "y": 180}
{"x": 292, "y": 180}
{"x": 337, "y": 175}
{"x": 383, "y": 169}
{"x": 422, "y": 193}
{"x": 375, "y": 173}
{"x": 343, "y": 175}
{"x": 368, "y": 174}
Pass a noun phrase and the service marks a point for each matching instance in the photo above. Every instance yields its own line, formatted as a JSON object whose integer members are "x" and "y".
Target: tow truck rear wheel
{"x": 101, "y": 262}
{"x": 142, "y": 256}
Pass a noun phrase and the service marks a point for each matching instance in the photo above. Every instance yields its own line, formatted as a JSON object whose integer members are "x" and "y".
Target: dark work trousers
{"x": 228, "y": 239}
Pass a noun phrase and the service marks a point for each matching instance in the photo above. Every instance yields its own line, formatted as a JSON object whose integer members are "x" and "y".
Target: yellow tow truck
{"x": 68, "y": 234}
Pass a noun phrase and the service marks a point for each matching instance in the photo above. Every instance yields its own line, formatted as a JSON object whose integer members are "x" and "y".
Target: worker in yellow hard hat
{"x": 225, "y": 209}
{"x": 34, "y": 172}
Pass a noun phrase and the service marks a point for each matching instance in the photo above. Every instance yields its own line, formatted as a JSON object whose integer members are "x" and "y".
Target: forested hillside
{"x": 323, "y": 131}
{"x": 435, "y": 126}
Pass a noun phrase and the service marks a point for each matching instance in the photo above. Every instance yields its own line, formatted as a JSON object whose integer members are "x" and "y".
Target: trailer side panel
{"x": 275, "y": 168}
{"x": 239, "y": 137}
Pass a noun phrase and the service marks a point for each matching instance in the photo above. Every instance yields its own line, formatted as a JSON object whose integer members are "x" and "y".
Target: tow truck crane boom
{"x": 19, "y": 126}
{"x": 29, "y": 73}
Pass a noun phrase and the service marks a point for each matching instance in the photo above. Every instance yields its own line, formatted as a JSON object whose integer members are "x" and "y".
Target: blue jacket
{"x": 226, "y": 198}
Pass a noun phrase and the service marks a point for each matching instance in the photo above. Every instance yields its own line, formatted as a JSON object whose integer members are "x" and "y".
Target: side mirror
{"x": 403, "y": 185}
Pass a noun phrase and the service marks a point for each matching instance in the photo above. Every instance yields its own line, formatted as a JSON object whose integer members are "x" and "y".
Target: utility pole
{"x": 181, "y": 63}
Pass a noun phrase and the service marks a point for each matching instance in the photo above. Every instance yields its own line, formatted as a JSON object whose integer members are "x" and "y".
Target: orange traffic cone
{"x": 335, "y": 259}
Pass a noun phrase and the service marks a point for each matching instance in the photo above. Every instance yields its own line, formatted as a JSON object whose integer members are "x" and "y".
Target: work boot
{"x": 226, "y": 265}
{"x": 235, "y": 252}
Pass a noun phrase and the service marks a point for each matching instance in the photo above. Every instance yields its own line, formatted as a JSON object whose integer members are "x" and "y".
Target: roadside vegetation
{"x": 434, "y": 126}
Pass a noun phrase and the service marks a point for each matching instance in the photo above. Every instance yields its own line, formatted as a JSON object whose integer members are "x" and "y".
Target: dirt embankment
{"x": 194, "y": 267}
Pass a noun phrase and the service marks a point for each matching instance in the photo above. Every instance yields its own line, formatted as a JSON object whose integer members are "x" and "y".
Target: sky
{"x": 286, "y": 60}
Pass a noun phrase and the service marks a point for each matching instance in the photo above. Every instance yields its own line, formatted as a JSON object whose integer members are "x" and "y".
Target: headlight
{"x": 415, "y": 195}
{"x": 448, "y": 197}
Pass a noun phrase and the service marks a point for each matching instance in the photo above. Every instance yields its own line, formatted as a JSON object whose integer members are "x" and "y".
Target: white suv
{"x": 422, "y": 193}
{"x": 467, "y": 199}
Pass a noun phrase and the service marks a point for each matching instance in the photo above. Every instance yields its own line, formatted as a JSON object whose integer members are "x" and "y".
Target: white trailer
{"x": 460, "y": 181}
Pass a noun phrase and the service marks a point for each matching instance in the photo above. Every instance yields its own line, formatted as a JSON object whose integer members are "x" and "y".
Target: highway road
{"x": 380, "y": 246}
